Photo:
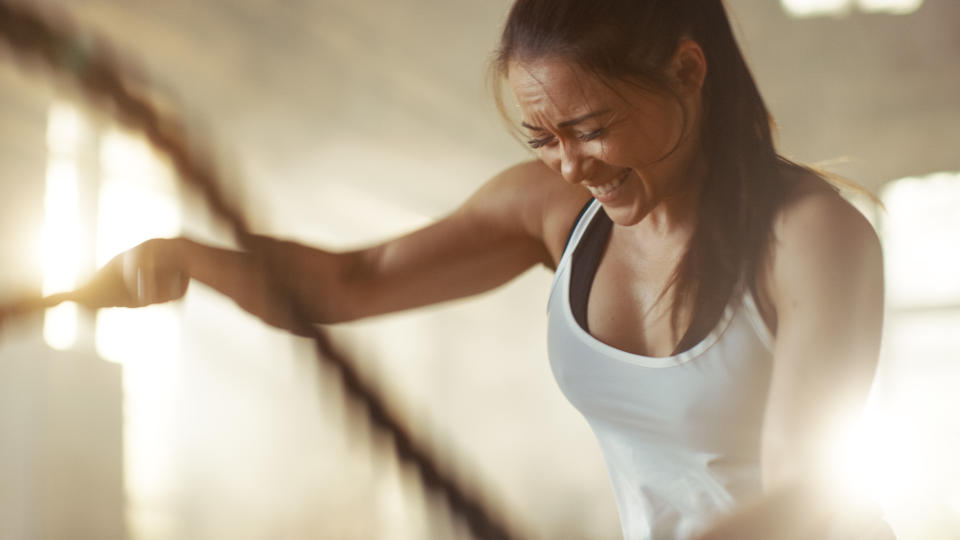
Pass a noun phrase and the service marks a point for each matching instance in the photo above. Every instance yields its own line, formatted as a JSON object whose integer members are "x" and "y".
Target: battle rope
{"x": 100, "y": 77}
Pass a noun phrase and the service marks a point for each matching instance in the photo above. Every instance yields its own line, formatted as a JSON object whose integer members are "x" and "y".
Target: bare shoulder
{"x": 820, "y": 243}
{"x": 817, "y": 216}
{"x": 531, "y": 199}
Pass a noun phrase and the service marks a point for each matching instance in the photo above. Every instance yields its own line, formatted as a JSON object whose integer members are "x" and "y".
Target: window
{"x": 906, "y": 452}
{"x": 62, "y": 234}
{"x": 135, "y": 199}
{"x": 838, "y": 8}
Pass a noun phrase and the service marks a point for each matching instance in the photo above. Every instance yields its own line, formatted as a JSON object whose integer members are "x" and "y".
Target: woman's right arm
{"x": 505, "y": 228}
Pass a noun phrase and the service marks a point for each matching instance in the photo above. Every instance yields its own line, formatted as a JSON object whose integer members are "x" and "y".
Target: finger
{"x": 143, "y": 296}
{"x": 177, "y": 285}
{"x": 133, "y": 276}
{"x": 150, "y": 276}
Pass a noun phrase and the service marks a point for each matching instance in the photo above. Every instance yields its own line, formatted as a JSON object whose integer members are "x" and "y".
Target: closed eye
{"x": 538, "y": 143}
{"x": 591, "y": 135}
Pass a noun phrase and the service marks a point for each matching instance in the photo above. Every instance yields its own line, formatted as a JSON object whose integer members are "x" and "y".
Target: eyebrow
{"x": 568, "y": 123}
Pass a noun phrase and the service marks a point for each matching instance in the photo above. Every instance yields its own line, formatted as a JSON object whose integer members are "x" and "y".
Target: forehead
{"x": 551, "y": 88}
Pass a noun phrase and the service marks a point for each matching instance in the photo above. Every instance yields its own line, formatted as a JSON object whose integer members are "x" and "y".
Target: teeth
{"x": 607, "y": 188}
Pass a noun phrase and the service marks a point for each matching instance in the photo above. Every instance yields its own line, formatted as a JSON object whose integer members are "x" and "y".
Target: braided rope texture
{"x": 90, "y": 66}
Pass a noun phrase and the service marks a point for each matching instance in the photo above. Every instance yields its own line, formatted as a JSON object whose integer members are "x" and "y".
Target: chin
{"x": 625, "y": 215}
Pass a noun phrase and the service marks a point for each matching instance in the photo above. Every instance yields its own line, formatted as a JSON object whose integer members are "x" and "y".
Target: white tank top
{"x": 680, "y": 434}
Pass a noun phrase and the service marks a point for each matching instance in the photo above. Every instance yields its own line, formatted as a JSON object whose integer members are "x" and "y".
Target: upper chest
{"x": 624, "y": 286}
{"x": 630, "y": 301}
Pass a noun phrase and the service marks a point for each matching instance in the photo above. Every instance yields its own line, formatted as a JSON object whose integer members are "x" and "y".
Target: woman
{"x": 716, "y": 308}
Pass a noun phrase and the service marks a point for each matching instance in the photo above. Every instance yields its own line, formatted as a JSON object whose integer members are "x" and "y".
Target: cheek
{"x": 669, "y": 128}
{"x": 656, "y": 126}
{"x": 550, "y": 157}
{"x": 634, "y": 149}
{"x": 647, "y": 145}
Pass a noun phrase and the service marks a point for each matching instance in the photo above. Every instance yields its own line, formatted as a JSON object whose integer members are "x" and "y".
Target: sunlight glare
{"x": 893, "y": 7}
{"x": 66, "y": 129}
{"x": 813, "y": 8}
{"x": 839, "y": 8}
{"x": 60, "y": 326}
{"x": 873, "y": 460}
{"x": 137, "y": 197}
{"x": 920, "y": 225}
{"x": 138, "y": 201}
{"x": 129, "y": 214}
{"x": 61, "y": 237}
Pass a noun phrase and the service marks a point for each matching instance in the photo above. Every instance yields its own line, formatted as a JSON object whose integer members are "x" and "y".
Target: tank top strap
{"x": 752, "y": 313}
{"x": 587, "y": 213}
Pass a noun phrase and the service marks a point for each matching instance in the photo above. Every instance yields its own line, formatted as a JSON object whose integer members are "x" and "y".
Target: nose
{"x": 573, "y": 163}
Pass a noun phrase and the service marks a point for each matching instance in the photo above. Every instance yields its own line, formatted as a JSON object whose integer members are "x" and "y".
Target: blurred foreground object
{"x": 112, "y": 87}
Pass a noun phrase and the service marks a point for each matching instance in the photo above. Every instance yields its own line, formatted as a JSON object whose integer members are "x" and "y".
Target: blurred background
{"x": 344, "y": 123}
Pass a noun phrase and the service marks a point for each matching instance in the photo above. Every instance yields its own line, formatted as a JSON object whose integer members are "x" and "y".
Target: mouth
{"x": 605, "y": 191}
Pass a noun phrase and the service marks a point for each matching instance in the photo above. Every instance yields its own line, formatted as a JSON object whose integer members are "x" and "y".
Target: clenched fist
{"x": 151, "y": 273}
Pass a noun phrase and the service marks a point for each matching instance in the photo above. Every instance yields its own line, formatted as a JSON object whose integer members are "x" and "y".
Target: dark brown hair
{"x": 633, "y": 41}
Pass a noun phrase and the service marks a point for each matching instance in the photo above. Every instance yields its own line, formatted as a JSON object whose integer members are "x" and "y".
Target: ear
{"x": 688, "y": 66}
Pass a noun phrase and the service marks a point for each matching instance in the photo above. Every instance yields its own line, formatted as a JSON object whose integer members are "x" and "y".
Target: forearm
{"x": 258, "y": 281}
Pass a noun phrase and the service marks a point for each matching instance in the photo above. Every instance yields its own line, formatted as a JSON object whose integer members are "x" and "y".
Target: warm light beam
{"x": 62, "y": 234}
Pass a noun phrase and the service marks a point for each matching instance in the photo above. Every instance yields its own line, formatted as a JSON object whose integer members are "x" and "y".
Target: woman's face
{"x": 628, "y": 146}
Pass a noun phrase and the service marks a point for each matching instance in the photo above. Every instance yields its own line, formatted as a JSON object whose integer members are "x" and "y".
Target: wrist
{"x": 180, "y": 254}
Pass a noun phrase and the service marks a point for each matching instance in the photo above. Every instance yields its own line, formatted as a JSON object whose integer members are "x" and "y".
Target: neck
{"x": 676, "y": 212}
